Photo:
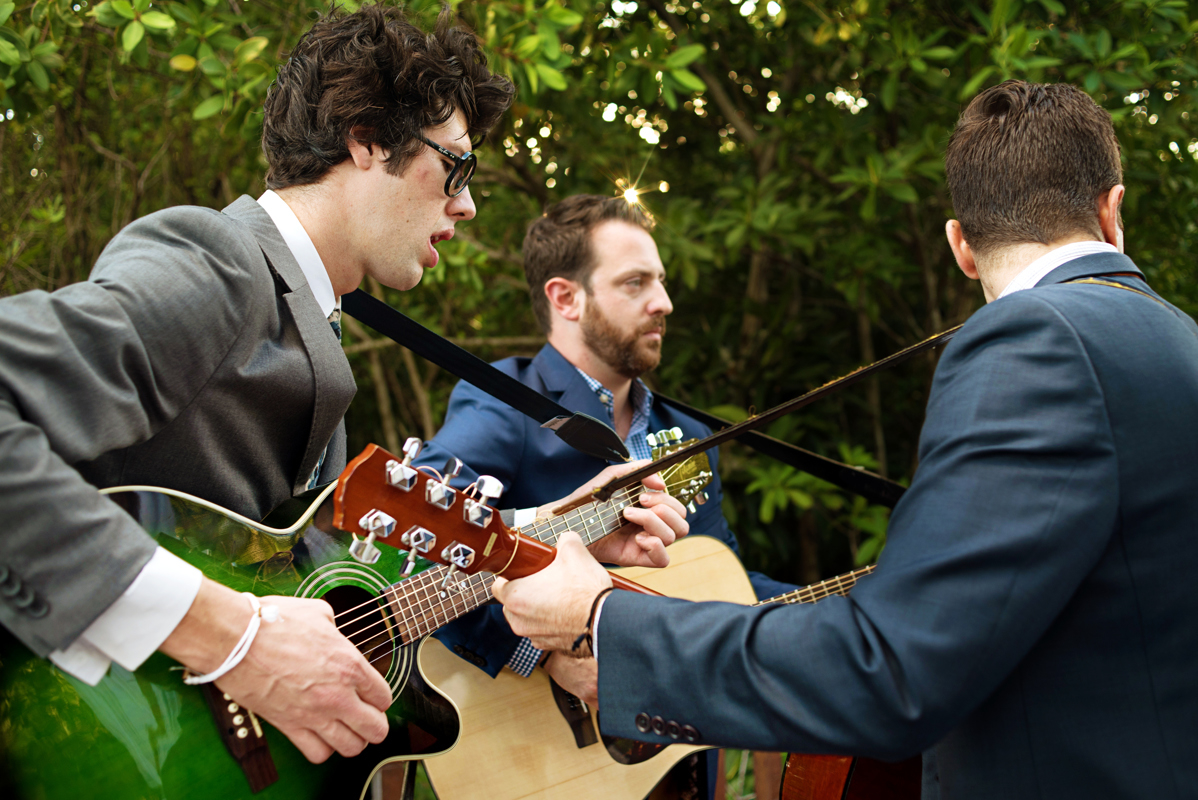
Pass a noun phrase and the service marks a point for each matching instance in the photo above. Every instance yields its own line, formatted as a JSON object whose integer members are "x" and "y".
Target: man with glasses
{"x": 203, "y": 355}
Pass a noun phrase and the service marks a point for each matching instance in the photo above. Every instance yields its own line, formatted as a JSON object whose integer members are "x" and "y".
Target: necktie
{"x": 335, "y": 324}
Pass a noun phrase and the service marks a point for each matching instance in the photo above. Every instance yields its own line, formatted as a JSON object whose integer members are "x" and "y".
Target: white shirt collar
{"x": 1034, "y": 272}
{"x": 300, "y": 244}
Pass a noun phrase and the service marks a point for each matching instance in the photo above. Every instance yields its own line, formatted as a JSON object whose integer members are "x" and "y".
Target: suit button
{"x": 39, "y": 609}
{"x": 11, "y": 586}
{"x": 659, "y": 725}
{"x": 469, "y": 655}
{"x": 24, "y": 598}
{"x": 690, "y": 734}
{"x": 642, "y": 722}
{"x": 673, "y": 730}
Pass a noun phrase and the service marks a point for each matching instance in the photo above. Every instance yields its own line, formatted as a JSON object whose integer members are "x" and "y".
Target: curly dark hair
{"x": 374, "y": 71}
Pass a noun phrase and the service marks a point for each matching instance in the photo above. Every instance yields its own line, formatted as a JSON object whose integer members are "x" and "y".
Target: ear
{"x": 566, "y": 297}
{"x": 1108, "y": 216}
{"x": 961, "y": 249}
{"x": 361, "y": 151}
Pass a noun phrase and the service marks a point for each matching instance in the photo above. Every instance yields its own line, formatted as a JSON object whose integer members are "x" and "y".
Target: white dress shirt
{"x": 133, "y": 627}
{"x": 1034, "y": 272}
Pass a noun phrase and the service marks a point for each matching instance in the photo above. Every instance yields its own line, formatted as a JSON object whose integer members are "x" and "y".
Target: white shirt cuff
{"x": 523, "y": 517}
{"x": 132, "y": 628}
{"x": 595, "y": 629}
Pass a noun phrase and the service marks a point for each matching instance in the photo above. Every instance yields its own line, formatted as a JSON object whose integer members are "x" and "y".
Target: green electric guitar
{"x": 148, "y": 735}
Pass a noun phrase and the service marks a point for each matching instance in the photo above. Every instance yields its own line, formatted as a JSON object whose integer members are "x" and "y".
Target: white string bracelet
{"x": 269, "y": 613}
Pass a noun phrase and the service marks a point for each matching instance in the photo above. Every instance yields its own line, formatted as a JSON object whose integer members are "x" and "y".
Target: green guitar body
{"x": 147, "y": 735}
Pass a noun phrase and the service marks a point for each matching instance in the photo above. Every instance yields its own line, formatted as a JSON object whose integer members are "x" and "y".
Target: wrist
{"x": 210, "y": 629}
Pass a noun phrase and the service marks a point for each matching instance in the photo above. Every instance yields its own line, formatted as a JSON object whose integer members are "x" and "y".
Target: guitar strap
{"x": 581, "y": 431}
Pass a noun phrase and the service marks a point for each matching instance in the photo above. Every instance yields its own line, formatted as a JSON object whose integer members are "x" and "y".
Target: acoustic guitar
{"x": 519, "y": 743}
{"x": 147, "y": 735}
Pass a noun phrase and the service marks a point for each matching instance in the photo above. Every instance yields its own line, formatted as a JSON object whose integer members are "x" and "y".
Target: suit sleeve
{"x": 482, "y": 637}
{"x": 1014, "y": 503}
{"x": 94, "y": 367}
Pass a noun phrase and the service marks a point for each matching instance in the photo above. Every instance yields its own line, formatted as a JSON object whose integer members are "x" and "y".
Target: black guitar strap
{"x": 581, "y": 431}
{"x": 873, "y": 488}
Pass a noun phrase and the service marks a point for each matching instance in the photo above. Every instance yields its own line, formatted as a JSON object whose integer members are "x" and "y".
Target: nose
{"x": 660, "y": 303}
{"x": 462, "y": 207}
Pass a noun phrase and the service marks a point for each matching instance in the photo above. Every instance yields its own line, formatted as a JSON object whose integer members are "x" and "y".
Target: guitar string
{"x": 434, "y": 614}
{"x": 605, "y": 519}
{"x": 610, "y": 511}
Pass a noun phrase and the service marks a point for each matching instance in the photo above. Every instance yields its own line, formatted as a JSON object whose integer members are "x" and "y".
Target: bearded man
{"x": 598, "y": 291}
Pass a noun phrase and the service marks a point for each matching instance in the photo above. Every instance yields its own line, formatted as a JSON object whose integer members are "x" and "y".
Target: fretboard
{"x": 841, "y": 584}
{"x": 417, "y": 606}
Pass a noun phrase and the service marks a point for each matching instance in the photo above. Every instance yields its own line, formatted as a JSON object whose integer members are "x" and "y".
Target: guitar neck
{"x": 417, "y": 606}
{"x": 841, "y": 585}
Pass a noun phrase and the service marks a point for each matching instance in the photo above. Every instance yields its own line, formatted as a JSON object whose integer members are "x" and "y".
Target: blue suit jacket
{"x": 1032, "y": 619}
{"x": 537, "y": 467}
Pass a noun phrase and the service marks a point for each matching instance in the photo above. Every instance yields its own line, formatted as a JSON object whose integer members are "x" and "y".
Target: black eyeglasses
{"x": 463, "y": 168}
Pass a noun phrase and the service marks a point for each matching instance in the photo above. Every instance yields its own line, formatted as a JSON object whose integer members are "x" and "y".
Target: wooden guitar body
{"x": 809, "y": 777}
{"x": 516, "y": 743}
{"x": 147, "y": 735}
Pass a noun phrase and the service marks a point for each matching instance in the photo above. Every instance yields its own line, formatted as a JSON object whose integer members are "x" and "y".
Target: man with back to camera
{"x": 598, "y": 291}
{"x": 203, "y": 356}
{"x": 1030, "y": 624}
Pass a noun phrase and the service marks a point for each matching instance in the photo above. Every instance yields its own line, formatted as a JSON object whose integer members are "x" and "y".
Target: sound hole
{"x": 361, "y": 617}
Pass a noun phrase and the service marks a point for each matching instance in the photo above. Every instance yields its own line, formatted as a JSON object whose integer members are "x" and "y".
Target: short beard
{"x": 626, "y": 354}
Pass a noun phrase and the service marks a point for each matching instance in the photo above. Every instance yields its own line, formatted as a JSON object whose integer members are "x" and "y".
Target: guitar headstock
{"x": 383, "y": 498}
{"x": 687, "y": 479}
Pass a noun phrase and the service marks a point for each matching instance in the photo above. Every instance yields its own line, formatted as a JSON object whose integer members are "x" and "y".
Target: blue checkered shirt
{"x": 526, "y": 657}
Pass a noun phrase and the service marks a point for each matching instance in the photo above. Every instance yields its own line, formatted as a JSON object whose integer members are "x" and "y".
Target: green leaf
{"x": 684, "y": 55}
{"x": 938, "y": 53}
{"x": 132, "y": 36}
{"x": 37, "y": 74}
{"x": 551, "y": 46}
{"x": 688, "y": 80}
{"x": 124, "y": 8}
{"x": 553, "y": 79}
{"x": 211, "y": 67}
{"x": 140, "y": 6}
{"x": 667, "y": 94}
{"x": 9, "y": 54}
{"x": 980, "y": 77}
{"x": 533, "y": 79}
{"x": 903, "y": 192}
{"x": 1093, "y": 81}
{"x": 6, "y": 10}
{"x": 528, "y": 45}
{"x": 209, "y": 107}
{"x": 16, "y": 40}
{"x": 1103, "y": 43}
{"x": 183, "y": 63}
{"x": 562, "y": 17}
{"x": 1053, "y": 7}
{"x": 890, "y": 91}
{"x": 250, "y": 49}
{"x": 157, "y": 21}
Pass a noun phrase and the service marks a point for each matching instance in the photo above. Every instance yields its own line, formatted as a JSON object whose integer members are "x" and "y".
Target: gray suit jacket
{"x": 195, "y": 358}
{"x": 1032, "y": 619}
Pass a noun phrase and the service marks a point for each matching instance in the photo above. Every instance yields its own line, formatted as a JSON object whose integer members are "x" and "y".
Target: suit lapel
{"x": 569, "y": 389}
{"x": 334, "y": 380}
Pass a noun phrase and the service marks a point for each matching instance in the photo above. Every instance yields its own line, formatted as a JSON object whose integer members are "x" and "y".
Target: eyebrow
{"x": 633, "y": 272}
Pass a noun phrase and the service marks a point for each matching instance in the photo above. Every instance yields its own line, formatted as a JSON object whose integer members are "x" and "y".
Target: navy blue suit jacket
{"x": 537, "y": 467}
{"x": 1032, "y": 619}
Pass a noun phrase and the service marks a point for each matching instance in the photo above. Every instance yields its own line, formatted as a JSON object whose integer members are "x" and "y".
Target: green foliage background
{"x": 791, "y": 151}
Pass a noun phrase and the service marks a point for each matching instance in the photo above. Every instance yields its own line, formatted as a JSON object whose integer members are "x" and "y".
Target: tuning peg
{"x": 376, "y": 524}
{"x": 419, "y": 541}
{"x": 459, "y": 557}
{"x": 651, "y": 439}
{"x": 363, "y": 550}
{"x": 411, "y": 449}
{"x": 400, "y": 475}
{"x": 701, "y": 498}
{"x": 691, "y": 509}
{"x": 676, "y": 434}
{"x": 489, "y": 487}
{"x": 453, "y": 467}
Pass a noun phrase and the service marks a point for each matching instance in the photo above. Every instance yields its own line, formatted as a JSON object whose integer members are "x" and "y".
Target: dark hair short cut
{"x": 558, "y": 243}
{"x": 375, "y": 71}
{"x": 1028, "y": 163}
